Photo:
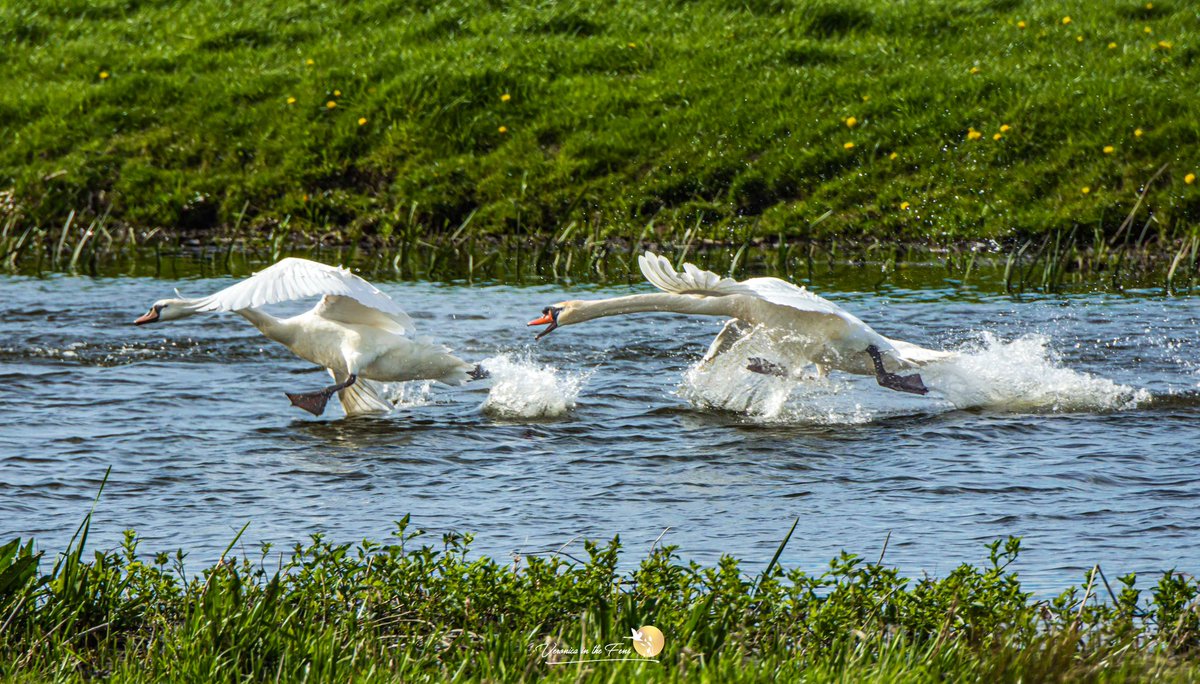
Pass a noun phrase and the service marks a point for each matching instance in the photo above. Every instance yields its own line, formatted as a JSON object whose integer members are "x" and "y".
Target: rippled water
{"x": 1071, "y": 421}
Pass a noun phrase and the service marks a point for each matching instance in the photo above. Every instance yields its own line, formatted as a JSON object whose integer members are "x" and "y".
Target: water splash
{"x": 1024, "y": 374}
{"x": 723, "y": 383}
{"x": 1021, "y": 375}
{"x": 522, "y": 388}
{"x": 410, "y": 394}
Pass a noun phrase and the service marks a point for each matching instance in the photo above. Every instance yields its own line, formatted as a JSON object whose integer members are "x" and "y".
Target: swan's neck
{"x": 276, "y": 329}
{"x": 658, "y": 301}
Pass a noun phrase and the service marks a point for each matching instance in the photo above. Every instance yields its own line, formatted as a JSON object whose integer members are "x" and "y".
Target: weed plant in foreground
{"x": 408, "y": 611}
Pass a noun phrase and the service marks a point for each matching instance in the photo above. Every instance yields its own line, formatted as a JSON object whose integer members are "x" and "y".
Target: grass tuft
{"x": 409, "y": 610}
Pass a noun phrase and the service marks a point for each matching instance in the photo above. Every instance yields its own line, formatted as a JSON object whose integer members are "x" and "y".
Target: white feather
{"x": 293, "y": 278}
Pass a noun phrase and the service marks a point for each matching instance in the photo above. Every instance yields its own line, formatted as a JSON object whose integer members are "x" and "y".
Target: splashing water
{"x": 1022, "y": 375}
{"x": 522, "y": 388}
{"x": 411, "y": 394}
{"x": 723, "y": 383}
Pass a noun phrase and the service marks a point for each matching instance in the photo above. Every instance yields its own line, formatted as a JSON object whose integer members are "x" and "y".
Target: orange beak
{"x": 548, "y": 320}
{"x": 148, "y": 317}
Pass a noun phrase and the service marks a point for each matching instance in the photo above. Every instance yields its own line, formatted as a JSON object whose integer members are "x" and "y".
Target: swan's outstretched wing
{"x": 694, "y": 281}
{"x": 350, "y": 311}
{"x": 294, "y": 278}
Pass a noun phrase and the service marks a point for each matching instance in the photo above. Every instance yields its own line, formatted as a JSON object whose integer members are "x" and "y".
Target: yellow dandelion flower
{"x": 330, "y": 105}
{"x": 291, "y": 100}
{"x": 505, "y": 97}
{"x": 503, "y": 129}
{"x": 1149, "y": 5}
{"x": 103, "y": 75}
{"x": 337, "y": 93}
{"x": 866, "y": 98}
{"x": 1004, "y": 128}
{"x": 632, "y": 45}
{"x": 973, "y": 134}
{"x": 309, "y": 62}
{"x": 362, "y": 121}
{"x": 997, "y": 136}
{"x": 1079, "y": 38}
{"x": 1166, "y": 44}
{"x": 1020, "y": 24}
{"x": 1137, "y": 132}
{"x": 1085, "y": 190}
{"x": 904, "y": 205}
{"x": 851, "y": 122}
{"x": 975, "y": 70}
{"x": 304, "y": 198}
{"x": 849, "y": 146}
{"x": 1112, "y": 46}
{"x": 1066, "y": 20}
{"x": 1190, "y": 178}
{"x": 893, "y": 155}
{"x": 1109, "y": 149}
{"x": 1146, "y": 30}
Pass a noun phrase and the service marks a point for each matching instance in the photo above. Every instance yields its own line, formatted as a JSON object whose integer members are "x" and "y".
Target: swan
{"x": 357, "y": 333}
{"x": 805, "y": 327}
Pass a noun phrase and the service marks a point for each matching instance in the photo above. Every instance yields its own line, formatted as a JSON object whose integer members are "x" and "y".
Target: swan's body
{"x": 359, "y": 334}
{"x": 802, "y": 326}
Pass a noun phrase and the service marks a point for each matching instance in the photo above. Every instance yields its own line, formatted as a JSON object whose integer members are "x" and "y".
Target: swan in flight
{"x": 359, "y": 334}
{"x": 804, "y": 327}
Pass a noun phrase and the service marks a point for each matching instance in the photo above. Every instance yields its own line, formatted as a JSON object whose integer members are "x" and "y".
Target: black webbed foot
{"x": 764, "y": 367}
{"x": 314, "y": 402}
{"x": 901, "y": 383}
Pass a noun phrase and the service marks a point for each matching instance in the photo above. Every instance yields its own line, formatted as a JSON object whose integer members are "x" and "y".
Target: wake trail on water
{"x": 1020, "y": 375}
{"x": 522, "y": 388}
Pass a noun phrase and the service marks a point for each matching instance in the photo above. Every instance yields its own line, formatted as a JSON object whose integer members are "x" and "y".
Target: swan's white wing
{"x": 661, "y": 274}
{"x": 783, "y": 293}
{"x": 350, "y": 311}
{"x": 294, "y": 278}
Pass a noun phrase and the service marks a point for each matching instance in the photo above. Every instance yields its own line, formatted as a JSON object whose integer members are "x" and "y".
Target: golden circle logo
{"x": 648, "y": 641}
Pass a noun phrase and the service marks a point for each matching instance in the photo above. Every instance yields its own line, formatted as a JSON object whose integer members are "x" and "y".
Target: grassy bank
{"x": 407, "y": 611}
{"x": 727, "y": 120}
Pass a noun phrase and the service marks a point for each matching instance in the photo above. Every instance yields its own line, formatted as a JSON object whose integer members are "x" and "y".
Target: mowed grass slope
{"x": 911, "y": 119}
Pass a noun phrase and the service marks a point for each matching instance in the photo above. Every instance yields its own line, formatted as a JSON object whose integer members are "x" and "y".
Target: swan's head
{"x": 165, "y": 310}
{"x": 563, "y": 313}
{"x": 549, "y": 319}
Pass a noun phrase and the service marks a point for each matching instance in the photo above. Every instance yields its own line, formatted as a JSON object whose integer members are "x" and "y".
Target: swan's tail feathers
{"x": 454, "y": 371}
{"x": 365, "y": 397}
{"x": 912, "y": 356}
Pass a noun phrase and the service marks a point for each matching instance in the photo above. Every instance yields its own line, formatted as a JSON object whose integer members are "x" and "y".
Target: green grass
{"x": 408, "y": 611}
{"x": 708, "y": 119}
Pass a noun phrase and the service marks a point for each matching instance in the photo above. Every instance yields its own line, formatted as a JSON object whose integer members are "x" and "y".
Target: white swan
{"x": 356, "y": 332}
{"x": 801, "y": 325}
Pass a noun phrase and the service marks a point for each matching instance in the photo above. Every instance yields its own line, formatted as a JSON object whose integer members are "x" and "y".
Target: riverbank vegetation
{"x": 412, "y": 609}
{"x": 1012, "y": 126}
